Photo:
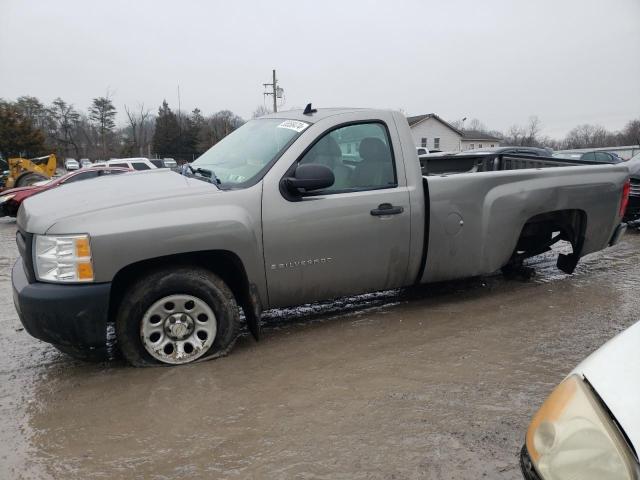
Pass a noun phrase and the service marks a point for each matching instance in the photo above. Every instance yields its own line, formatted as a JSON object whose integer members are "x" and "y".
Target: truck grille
{"x": 635, "y": 188}
{"x": 25, "y": 246}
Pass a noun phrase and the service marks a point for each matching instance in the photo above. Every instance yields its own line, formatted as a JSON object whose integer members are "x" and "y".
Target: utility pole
{"x": 275, "y": 91}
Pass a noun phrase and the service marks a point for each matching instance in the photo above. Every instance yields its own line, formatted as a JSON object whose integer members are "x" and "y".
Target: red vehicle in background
{"x": 11, "y": 199}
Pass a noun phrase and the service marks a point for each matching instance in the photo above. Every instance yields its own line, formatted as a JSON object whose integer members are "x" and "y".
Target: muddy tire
{"x": 27, "y": 179}
{"x": 176, "y": 316}
{"x": 84, "y": 354}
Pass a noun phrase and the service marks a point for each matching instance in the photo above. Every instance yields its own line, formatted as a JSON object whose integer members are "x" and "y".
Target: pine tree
{"x": 102, "y": 113}
{"x": 166, "y": 138}
{"x": 191, "y": 126}
{"x": 18, "y": 137}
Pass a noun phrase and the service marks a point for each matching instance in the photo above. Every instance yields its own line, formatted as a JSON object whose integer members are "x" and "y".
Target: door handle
{"x": 386, "y": 209}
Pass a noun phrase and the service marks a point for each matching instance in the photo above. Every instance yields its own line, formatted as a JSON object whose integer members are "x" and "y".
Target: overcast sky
{"x": 567, "y": 61}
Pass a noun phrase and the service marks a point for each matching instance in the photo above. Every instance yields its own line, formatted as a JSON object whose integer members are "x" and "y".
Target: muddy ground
{"x": 437, "y": 383}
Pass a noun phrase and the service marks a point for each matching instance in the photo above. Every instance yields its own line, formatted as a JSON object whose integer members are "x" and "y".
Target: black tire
{"x": 96, "y": 355}
{"x": 30, "y": 178}
{"x": 181, "y": 280}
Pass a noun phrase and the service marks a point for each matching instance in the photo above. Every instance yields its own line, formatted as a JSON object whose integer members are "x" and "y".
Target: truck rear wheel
{"x": 176, "y": 317}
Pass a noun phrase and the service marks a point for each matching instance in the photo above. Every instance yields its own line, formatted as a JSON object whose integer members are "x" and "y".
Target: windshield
{"x": 242, "y": 156}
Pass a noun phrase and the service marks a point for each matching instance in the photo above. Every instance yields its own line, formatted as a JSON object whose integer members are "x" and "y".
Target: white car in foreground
{"x": 589, "y": 427}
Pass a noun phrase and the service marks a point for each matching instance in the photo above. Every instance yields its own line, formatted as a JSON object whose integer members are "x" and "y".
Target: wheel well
{"x": 537, "y": 236}
{"x": 227, "y": 265}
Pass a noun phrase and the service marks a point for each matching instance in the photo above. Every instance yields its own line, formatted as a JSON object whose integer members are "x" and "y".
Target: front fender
{"x": 136, "y": 232}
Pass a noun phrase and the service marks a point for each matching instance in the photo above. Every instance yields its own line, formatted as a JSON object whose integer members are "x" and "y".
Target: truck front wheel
{"x": 176, "y": 317}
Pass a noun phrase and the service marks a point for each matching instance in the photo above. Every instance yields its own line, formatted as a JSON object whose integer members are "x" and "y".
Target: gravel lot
{"x": 437, "y": 383}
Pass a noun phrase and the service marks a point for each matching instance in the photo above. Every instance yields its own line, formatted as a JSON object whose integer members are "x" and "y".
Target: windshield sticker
{"x": 295, "y": 125}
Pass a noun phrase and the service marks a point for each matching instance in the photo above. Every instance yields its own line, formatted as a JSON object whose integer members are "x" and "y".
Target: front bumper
{"x": 72, "y": 317}
{"x": 528, "y": 470}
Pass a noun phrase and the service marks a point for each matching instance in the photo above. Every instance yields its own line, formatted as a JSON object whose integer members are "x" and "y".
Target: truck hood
{"x": 614, "y": 372}
{"x": 39, "y": 212}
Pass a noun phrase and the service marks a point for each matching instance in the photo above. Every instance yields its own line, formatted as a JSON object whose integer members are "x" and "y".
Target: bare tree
{"x": 587, "y": 136}
{"x": 477, "y": 126}
{"x": 64, "y": 125}
{"x": 261, "y": 111}
{"x": 138, "y": 124}
{"x": 218, "y": 126}
{"x": 630, "y": 135}
{"x": 474, "y": 124}
{"x": 533, "y": 131}
{"x": 515, "y": 135}
{"x": 528, "y": 136}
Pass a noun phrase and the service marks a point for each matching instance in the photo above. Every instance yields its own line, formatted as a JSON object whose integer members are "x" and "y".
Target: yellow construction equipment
{"x": 23, "y": 171}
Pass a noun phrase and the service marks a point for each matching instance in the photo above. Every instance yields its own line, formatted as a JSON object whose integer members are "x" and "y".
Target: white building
{"x": 434, "y": 133}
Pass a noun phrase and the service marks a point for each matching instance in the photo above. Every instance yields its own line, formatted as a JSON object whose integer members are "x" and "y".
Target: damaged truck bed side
{"x": 290, "y": 208}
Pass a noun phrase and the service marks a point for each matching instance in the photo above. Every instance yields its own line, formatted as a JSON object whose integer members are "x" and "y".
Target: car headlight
{"x": 6, "y": 198}
{"x": 63, "y": 258}
{"x": 572, "y": 437}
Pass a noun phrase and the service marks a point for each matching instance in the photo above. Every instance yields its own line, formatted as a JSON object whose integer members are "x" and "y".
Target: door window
{"x": 603, "y": 157}
{"x": 588, "y": 157}
{"x": 370, "y": 166}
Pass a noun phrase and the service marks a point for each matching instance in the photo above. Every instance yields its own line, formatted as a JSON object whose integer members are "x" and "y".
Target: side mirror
{"x": 309, "y": 177}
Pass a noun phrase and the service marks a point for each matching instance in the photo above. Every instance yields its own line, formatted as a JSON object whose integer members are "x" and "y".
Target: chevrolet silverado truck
{"x": 291, "y": 208}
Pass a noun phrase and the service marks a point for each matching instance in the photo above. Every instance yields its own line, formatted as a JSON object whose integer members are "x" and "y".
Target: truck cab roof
{"x": 319, "y": 114}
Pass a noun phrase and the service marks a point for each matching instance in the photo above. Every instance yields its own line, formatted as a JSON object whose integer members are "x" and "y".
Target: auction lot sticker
{"x": 295, "y": 125}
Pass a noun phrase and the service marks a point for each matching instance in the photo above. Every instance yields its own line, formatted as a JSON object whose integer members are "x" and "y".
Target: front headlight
{"x": 573, "y": 437}
{"x": 6, "y": 198}
{"x": 59, "y": 258}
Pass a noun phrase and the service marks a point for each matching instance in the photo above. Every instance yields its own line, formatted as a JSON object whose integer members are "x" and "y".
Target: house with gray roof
{"x": 433, "y": 132}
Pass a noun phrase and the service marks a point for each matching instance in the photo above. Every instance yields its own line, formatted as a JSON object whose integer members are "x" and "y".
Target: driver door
{"x": 340, "y": 241}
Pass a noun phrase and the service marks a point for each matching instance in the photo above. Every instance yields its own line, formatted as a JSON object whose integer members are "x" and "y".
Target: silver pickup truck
{"x": 291, "y": 208}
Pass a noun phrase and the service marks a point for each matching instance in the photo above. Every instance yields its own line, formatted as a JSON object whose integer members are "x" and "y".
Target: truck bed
{"x": 470, "y": 163}
{"x": 481, "y": 206}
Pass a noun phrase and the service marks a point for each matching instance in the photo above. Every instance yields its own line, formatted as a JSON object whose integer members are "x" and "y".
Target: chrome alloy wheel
{"x": 178, "y": 329}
